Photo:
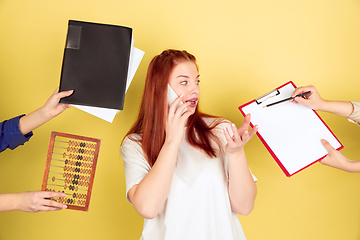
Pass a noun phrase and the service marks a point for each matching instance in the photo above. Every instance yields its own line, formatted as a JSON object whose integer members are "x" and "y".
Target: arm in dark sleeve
{"x": 10, "y": 135}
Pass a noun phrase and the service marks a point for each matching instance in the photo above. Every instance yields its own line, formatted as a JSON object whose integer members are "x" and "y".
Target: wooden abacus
{"x": 70, "y": 168}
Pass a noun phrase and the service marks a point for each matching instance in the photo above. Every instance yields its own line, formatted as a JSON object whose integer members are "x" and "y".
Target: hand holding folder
{"x": 98, "y": 65}
{"x": 291, "y": 132}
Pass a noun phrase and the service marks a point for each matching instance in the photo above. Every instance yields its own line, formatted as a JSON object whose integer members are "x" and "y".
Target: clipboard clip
{"x": 265, "y": 97}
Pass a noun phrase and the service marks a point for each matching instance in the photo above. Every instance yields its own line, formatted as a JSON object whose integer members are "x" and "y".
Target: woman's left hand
{"x": 240, "y": 137}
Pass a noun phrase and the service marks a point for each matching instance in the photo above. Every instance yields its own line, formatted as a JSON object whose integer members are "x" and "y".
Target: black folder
{"x": 95, "y": 64}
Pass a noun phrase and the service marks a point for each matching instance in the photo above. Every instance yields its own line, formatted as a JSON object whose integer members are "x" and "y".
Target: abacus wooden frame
{"x": 92, "y": 175}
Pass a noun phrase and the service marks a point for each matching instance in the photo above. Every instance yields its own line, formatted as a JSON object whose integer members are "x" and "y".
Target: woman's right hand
{"x": 177, "y": 120}
{"x": 148, "y": 197}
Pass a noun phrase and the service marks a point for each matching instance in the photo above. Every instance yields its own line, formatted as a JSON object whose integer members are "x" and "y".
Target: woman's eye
{"x": 183, "y": 82}
{"x": 198, "y": 82}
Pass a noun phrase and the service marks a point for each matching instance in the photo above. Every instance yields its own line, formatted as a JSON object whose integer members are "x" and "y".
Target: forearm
{"x": 151, "y": 193}
{"x": 242, "y": 188}
{"x": 9, "y": 201}
{"x": 354, "y": 166}
{"x": 340, "y": 108}
{"x": 51, "y": 109}
{"x": 345, "y": 164}
{"x": 33, "y": 120}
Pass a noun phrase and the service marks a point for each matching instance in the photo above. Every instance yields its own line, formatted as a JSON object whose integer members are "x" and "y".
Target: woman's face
{"x": 184, "y": 79}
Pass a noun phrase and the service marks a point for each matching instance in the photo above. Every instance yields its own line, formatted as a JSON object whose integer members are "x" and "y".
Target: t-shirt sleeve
{"x": 221, "y": 134}
{"x": 355, "y": 115}
{"x": 135, "y": 165}
{"x": 10, "y": 135}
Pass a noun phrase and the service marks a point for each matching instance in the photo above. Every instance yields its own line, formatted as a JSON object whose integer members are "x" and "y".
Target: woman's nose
{"x": 195, "y": 89}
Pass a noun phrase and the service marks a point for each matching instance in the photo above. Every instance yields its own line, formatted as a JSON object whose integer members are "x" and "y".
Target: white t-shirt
{"x": 198, "y": 205}
{"x": 355, "y": 115}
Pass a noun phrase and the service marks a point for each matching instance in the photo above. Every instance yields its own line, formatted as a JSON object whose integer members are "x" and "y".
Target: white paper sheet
{"x": 292, "y": 131}
{"x": 108, "y": 114}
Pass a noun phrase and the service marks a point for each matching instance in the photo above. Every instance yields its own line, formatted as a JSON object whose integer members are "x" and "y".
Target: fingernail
{"x": 181, "y": 95}
{"x": 233, "y": 125}
{"x": 246, "y": 132}
{"x": 64, "y": 206}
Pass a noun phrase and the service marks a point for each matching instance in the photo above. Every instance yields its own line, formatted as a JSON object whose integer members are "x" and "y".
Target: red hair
{"x": 151, "y": 121}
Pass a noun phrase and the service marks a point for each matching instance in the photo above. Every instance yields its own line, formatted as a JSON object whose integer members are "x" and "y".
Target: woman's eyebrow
{"x": 185, "y": 76}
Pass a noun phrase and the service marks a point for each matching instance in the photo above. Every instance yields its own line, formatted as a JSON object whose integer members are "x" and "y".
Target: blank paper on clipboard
{"x": 291, "y": 132}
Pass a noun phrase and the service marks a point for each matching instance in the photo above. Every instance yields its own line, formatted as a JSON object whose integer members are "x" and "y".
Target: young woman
{"x": 186, "y": 171}
{"x": 350, "y": 110}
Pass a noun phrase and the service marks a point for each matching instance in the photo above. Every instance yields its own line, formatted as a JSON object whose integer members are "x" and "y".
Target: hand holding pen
{"x": 312, "y": 100}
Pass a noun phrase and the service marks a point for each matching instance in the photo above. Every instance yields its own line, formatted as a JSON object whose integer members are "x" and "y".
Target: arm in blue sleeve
{"x": 10, "y": 135}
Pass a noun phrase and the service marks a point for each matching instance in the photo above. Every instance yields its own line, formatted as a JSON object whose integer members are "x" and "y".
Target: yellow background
{"x": 244, "y": 49}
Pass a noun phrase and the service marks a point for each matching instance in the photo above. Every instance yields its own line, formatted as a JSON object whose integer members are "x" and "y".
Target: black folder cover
{"x": 95, "y": 64}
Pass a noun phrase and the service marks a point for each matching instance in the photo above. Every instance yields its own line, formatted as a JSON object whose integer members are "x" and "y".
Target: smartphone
{"x": 171, "y": 96}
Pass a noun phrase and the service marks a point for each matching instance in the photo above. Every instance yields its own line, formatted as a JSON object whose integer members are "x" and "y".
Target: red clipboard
{"x": 290, "y": 132}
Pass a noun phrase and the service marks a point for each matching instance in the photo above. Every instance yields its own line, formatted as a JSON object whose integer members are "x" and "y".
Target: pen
{"x": 287, "y": 99}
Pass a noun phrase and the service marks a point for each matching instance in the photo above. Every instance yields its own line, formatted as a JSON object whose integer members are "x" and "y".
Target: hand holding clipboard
{"x": 291, "y": 132}
{"x": 345, "y": 109}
